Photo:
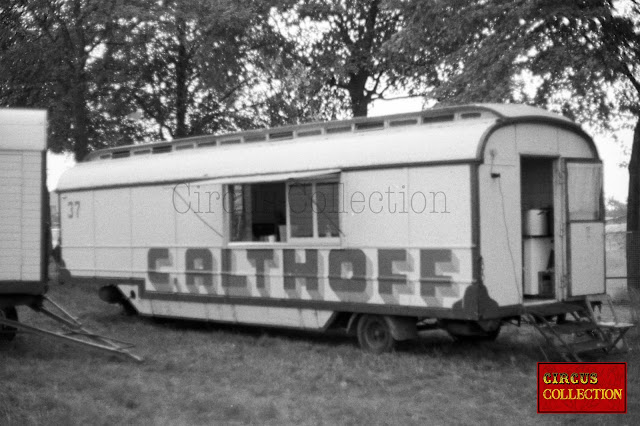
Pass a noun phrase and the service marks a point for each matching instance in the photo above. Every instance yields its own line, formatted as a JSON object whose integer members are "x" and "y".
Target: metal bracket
{"x": 72, "y": 330}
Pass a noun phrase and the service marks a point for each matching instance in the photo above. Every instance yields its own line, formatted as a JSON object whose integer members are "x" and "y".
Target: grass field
{"x": 198, "y": 373}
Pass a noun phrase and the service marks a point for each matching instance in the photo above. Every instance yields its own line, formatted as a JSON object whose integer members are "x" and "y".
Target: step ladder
{"x": 575, "y": 328}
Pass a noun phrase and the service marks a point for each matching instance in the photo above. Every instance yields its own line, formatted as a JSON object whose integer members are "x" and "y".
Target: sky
{"x": 612, "y": 153}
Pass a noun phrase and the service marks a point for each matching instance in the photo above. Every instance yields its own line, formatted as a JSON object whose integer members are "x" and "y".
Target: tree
{"x": 50, "y": 58}
{"x": 290, "y": 93}
{"x": 616, "y": 210}
{"x": 584, "y": 56}
{"x": 343, "y": 45}
{"x": 189, "y": 64}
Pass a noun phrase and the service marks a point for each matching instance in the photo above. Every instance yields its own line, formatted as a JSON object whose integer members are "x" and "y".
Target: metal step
{"x": 594, "y": 333}
{"x": 616, "y": 326}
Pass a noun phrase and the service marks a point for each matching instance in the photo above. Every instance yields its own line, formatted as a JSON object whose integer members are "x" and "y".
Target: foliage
{"x": 186, "y": 64}
{"x": 290, "y": 93}
{"x": 50, "y": 58}
{"x": 344, "y": 47}
{"x": 577, "y": 57}
{"x": 196, "y": 66}
{"x": 615, "y": 209}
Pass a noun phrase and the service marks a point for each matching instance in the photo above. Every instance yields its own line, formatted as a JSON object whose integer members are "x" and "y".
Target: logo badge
{"x": 582, "y": 387}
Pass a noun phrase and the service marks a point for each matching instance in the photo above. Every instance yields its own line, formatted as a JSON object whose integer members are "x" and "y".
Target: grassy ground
{"x": 211, "y": 374}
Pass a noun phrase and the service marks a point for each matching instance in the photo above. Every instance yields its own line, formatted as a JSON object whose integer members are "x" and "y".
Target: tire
{"x": 374, "y": 334}
{"x": 7, "y": 333}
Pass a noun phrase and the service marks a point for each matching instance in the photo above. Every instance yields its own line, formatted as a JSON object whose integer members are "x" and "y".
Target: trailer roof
{"x": 23, "y": 129}
{"x": 441, "y": 135}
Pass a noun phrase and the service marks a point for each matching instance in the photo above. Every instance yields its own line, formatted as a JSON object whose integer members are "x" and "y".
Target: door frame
{"x": 558, "y": 208}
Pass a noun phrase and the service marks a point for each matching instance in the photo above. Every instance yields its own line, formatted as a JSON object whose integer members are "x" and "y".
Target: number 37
{"x": 74, "y": 209}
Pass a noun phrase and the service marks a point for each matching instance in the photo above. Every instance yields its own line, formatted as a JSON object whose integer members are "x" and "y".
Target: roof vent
{"x": 312, "y": 132}
{"x": 255, "y": 138}
{"x": 142, "y": 152}
{"x": 161, "y": 149}
{"x": 341, "y": 129}
{"x": 185, "y": 146}
{"x": 207, "y": 143}
{"x": 370, "y": 125}
{"x": 281, "y": 135}
{"x": 121, "y": 154}
{"x": 466, "y": 115}
{"x": 405, "y": 122}
{"x": 437, "y": 118}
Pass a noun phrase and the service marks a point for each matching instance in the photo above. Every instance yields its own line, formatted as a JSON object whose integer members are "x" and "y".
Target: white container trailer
{"x": 376, "y": 224}
{"x": 23, "y": 263}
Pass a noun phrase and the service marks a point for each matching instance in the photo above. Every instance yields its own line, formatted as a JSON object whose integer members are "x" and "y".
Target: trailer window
{"x": 300, "y": 211}
{"x": 313, "y": 210}
{"x": 258, "y": 212}
{"x": 584, "y": 189}
{"x": 271, "y": 212}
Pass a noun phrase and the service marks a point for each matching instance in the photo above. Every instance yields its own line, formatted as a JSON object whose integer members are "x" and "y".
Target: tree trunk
{"x": 360, "y": 99}
{"x": 633, "y": 216}
{"x": 80, "y": 119}
{"x": 182, "y": 63}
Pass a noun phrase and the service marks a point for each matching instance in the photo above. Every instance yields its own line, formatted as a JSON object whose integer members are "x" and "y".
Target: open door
{"x": 585, "y": 236}
{"x": 537, "y": 204}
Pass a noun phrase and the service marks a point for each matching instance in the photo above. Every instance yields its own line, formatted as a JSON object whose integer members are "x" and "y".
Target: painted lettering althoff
{"x": 294, "y": 269}
{"x": 347, "y": 271}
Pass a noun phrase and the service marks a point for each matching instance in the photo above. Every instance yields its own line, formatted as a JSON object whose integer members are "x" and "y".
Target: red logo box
{"x": 582, "y": 387}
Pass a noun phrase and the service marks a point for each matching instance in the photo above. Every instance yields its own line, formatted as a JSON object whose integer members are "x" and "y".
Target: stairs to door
{"x": 576, "y": 328}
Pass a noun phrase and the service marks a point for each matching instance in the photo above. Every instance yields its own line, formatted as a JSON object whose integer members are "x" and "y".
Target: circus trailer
{"x": 23, "y": 262}
{"x": 458, "y": 217}
{"x": 25, "y": 235}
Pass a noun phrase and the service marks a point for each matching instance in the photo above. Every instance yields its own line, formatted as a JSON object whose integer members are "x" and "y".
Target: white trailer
{"x": 23, "y": 242}
{"x": 459, "y": 217}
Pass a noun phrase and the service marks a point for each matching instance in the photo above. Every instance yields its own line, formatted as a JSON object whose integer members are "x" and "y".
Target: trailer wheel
{"x": 7, "y": 333}
{"x": 374, "y": 334}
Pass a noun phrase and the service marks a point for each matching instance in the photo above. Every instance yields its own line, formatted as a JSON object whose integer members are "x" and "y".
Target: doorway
{"x": 537, "y": 209}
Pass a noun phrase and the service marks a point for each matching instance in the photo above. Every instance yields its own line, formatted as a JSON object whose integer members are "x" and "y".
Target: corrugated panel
{"x": 20, "y": 215}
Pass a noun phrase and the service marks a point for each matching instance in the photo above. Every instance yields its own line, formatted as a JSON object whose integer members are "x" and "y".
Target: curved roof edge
{"x": 550, "y": 118}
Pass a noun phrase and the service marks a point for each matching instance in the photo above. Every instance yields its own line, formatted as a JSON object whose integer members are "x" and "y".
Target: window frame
{"x": 316, "y": 238}
{"x": 600, "y": 217}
